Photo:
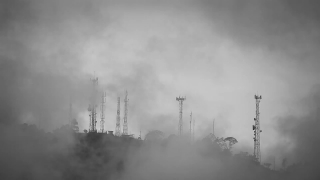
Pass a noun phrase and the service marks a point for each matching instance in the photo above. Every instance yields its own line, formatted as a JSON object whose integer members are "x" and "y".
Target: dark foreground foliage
{"x": 29, "y": 153}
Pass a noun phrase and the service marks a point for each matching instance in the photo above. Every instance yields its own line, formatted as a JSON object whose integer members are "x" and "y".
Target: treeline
{"x": 29, "y": 153}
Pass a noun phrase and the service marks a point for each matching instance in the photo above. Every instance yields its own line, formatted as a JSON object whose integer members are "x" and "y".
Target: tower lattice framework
{"x": 93, "y": 107}
{"x": 125, "y": 118}
{"x": 102, "y": 115}
{"x": 257, "y": 130}
{"x": 180, "y": 125}
{"x": 118, "y": 128}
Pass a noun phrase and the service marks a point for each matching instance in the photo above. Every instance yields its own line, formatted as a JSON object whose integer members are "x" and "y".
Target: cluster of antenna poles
{"x": 180, "y": 125}
{"x": 93, "y": 112}
{"x": 92, "y": 115}
{"x": 257, "y": 131}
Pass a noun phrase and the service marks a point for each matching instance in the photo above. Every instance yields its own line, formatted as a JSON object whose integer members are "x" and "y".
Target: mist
{"x": 299, "y": 134}
{"x": 217, "y": 53}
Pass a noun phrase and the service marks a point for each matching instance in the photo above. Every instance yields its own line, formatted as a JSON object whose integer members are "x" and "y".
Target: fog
{"x": 29, "y": 153}
{"x": 218, "y": 53}
{"x": 299, "y": 134}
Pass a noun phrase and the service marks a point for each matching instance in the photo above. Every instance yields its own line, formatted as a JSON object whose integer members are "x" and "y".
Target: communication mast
{"x": 125, "y": 120}
{"x": 118, "y": 128}
{"x": 257, "y": 131}
{"x": 102, "y": 115}
{"x": 93, "y": 107}
{"x": 180, "y": 125}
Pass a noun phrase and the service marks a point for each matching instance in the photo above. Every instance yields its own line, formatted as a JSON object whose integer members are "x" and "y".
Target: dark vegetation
{"x": 30, "y": 153}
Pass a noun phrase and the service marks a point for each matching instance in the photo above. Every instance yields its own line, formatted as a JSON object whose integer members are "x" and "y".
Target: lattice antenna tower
{"x": 93, "y": 107}
{"x": 180, "y": 125}
{"x": 125, "y": 118}
{"x": 118, "y": 128}
{"x": 102, "y": 115}
{"x": 257, "y": 130}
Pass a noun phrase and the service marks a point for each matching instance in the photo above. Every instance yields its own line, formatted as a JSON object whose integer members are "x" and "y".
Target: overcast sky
{"x": 218, "y": 54}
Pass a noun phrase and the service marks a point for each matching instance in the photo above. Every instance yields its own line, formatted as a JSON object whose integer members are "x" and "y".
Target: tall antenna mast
{"x": 118, "y": 128}
{"x": 256, "y": 130}
{"x": 93, "y": 107}
{"x": 102, "y": 115}
{"x": 125, "y": 120}
{"x": 190, "y": 125}
{"x": 180, "y": 125}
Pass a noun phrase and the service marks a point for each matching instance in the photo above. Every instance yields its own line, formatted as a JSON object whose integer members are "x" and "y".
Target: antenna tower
{"x": 102, "y": 115}
{"x": 125, "y": 120}
{"x": 256, "y": 130}
{"x": 180, "y": 125}
{"x": 118, "y": 129}
{"x": 93, "y": 107}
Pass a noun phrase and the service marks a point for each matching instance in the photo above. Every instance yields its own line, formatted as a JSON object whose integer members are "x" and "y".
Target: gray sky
{"x": 216, "y": 53}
